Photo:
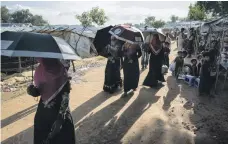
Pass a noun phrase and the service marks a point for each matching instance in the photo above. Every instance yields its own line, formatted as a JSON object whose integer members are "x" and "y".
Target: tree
{"x": 85, "y": 19}
{"x": 5, "y": 15}
{"x": 141, "y": 25}
{"x": 149, "y": 20}
{"x": 21, "y": 16}
{"x": 95, "y": 15}
{"x": 174, "y": 18}
{"x": 152, "y": 22}
{"x": 38, "y": 20}
{"x": 98, "y": 16}
{"x": 158, "y": 23}
{"x": 217, "y": 8}
{"x": 196, "y": 12}
{"x": 183, "y": 19}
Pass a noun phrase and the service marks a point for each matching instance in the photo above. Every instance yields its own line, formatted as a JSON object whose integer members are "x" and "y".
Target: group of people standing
{"x": 125, "y": 55}
{"x": 185, "y": 43}
{"x": 203, "y": 66}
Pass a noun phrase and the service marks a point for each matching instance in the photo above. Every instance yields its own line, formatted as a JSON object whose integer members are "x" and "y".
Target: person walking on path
{"x": 132, "y": 53}
{"x": 181, "y": 39}
{"x": 112, "y": 71}
{"x": 191, "y": 43}
{"x": 156, "y": 60}
{"x": 53, "y": 123}
{"x": 145, "y": 55}
{"x": 179, "y": 60}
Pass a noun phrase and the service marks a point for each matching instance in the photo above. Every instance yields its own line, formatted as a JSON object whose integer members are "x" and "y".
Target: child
{"x": 199, "y": 65}
{"x": 166, "y": 53}
{"x": 205, "y": 78}
{"x": 179, "y": 63}
{"x": 184, "y": 54}
{"x": 194, "y": 69}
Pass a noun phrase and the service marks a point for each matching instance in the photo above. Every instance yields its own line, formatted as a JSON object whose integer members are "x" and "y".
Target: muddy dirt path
{"x": 173, "y": 114}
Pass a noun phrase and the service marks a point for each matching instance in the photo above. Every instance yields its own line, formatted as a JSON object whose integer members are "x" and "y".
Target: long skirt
{"x": 206, "y": 84}
{"x": 180, "y": 44}
{"x": 45, "y": 118}
{"x": 166, "y": 60}
{"x": 155, "y": 73}
{"x": 112, "y": 76}
{"x": 190, "y": 48}
{"x": 131, "y": 74}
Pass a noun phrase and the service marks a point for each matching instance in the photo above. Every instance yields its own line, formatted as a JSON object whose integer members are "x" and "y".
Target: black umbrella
{"x": 128, "y": 34}
{"x": 151, "y": 32}
{"x": 102, "y": 39}
{"x": 27, "y": 44}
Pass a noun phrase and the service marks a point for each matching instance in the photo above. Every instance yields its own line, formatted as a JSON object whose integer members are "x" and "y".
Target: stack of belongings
{"x": 194, "y": 73}
{"x": 190, "y": 72}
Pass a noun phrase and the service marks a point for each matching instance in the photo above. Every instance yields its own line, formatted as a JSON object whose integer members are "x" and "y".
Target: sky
{"x": 63, "y": 12}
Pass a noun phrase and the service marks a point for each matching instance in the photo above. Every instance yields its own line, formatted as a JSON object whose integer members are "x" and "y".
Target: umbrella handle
{"x": 32, "y": 69}
{"x": 73, "y": 66}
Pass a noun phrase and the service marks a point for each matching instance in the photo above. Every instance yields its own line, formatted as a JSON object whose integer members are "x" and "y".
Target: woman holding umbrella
{"x": 156, "y": 59}
{"x": 131, "y": 52}
{"x": 112, "y": 71}
{"x": 131, "y": 67}
{"x": 53, "y": 123}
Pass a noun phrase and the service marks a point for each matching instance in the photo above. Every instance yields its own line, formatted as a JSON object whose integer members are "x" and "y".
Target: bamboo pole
{"x": 219, "y": 60}
{"x": 19, "y": 64}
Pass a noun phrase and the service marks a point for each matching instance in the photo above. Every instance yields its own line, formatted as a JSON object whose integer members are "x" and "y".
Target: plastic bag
{"x": 164, "y": 69}
{"x": 172, "y": 66}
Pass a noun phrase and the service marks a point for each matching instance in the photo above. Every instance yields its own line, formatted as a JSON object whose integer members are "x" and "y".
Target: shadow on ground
{"x": 208, "y": 119}
{"x": 105, "y": 127}
{"x": 173, "y": 92}
{"x": 26, "y": 136}
{"x": 18, "y": 116}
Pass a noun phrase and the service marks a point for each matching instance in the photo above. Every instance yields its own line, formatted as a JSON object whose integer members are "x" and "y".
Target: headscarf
{"x": 114, "y": 47}
{"x": 155, "y": 44}
{"x": 129, "y": 49}
{"x": 50, "y": 77}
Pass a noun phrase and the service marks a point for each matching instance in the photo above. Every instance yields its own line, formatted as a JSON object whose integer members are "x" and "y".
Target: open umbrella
{"x": 102, "y": 39}
{"x": 27, "y": 44}
{"x": 151, "y": 32}
{"x": 128, "y": 34}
